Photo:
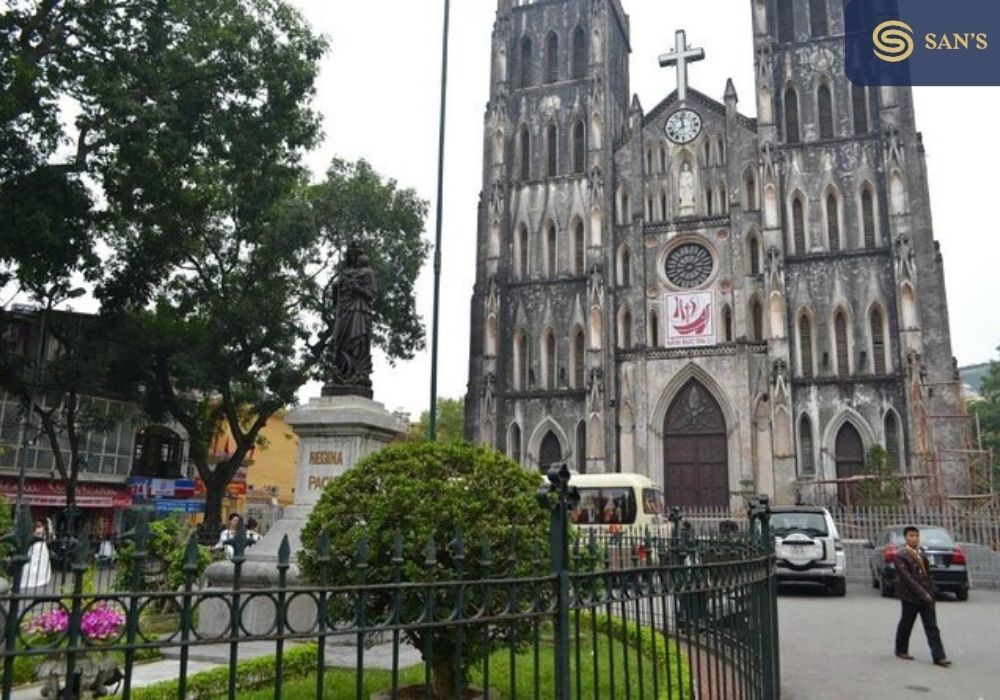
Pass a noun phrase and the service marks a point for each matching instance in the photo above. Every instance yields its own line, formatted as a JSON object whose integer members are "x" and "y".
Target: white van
{"x": 617, "y": 501}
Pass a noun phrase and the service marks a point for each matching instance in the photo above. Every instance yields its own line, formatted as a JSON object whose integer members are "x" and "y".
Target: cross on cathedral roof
{"x": 681, "y": 56}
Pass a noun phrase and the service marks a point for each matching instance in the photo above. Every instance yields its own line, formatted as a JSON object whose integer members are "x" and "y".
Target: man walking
{"x": 916, "y": 593}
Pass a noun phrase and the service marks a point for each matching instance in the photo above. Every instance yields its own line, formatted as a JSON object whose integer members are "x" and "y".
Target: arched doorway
{"x": 550, "y": 451}
{"x": 695, "y": 450}
{"x": 850, "y": 451}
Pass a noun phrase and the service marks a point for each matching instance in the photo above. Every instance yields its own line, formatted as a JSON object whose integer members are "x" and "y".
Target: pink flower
{"x": 99, "y": 622}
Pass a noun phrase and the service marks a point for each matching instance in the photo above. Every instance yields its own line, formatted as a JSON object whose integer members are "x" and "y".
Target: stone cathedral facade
{"x": 727, "y": 304}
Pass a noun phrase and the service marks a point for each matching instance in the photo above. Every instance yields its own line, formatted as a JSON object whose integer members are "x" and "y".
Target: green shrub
{"x": 168, "y": 538}
{"x": 424, "y": 491}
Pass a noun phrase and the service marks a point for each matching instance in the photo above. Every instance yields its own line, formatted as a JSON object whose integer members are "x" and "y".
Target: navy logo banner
{"x": 922, "y": 42}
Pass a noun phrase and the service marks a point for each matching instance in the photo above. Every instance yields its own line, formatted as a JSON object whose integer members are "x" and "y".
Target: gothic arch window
{"x": 494, "y": 245}
{"x": 777, "y": 320}
{"x": 723, "y": 198}
{"x": 552, "y": 58}
{"x": 578, "y": 364}
{"x": 625, "y": 327}
{"x": 492, "y": 335}
{"x": 879, "y": 349}
{"x": 727, "y": 324}
{"x": 551, "y": 151}
{"x": 842, "y": 346}
{"x": 663, "y": 205}
{"x": 522, "y": 243}
{"x": 524, "y": 153}
{"x": 750, "y": 199}
{"x": 770, "y": 206}
{"x": 654, "y": 328}
{"x": 596, "y": 226}
{"x": 824, "y": 104}
{"x": 897, "y": 193}
{"x": 579, "y": 148}
{"x": 514, "y": 442}
{"x": 859, "y": 100}
{"x": 892, "y": 441}
{"x": 597, "y": 131}
{"x": 579, "y": 249}
{"x": 549, "y": 452}
{"x": 527, "y": 77}
{"x": 807, "y": 454}
{"x": 786, "y": 21}
{"x": 663, "y": 159}
{"x": 722, "y": 151}
{"x": 792, "y": 133}
{"x": 521, "y": 360}
{"x": 498, "y": 146}
{"x": 649, "y": 161}
{"x": 818, "y": 23}
{"x": 550, "y": 250}
{"x": 650, "y": 208}
{"x": 806, "y": 363}
{"x": 623, "y": 206}
{"x": 755, "y": 254}
{"x": 549, "y": 368}
{"x": 708, "y": 151}
{"x": 756, "y": 320}
{"x": 624, "y": 266}
{"x": 709, "y": 209}
{"x": 868, "y": 220}
{"x": 581, "y": 447}
{"x": 908, "y": 303}
{"x": 799, "y": 224}
{"x": 833, "y": 221}
{"x": 580, "y": 61}
{"x": 596, "y": 329}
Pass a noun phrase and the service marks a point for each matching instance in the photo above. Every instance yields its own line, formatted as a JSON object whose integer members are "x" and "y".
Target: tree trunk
{"x": 443, "y": 678}
{"x": 212, "y": 523}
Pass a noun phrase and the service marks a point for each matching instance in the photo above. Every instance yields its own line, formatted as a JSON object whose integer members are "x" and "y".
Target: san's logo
{"x": 893, "y": 41}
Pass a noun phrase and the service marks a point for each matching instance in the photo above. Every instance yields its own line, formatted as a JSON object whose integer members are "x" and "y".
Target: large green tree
{"x": 242, "y": 319}
{"x": 450, "y": 421}
{"x": 987, "y": 409}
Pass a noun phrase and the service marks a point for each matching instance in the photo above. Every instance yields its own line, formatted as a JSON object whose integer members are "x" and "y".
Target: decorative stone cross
{"x": 681, "y": 56}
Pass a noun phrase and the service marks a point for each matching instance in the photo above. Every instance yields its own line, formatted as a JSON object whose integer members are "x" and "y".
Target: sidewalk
{"x": 143, "y": 675}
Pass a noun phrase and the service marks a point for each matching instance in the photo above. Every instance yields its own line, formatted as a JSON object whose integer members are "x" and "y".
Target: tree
{"x": 450, "y": 422}
{"x": 430, "y": 491}
{"x": 987, "y": 410}
{"x": 242, "y": 317}
{"x": 885, "y": 488}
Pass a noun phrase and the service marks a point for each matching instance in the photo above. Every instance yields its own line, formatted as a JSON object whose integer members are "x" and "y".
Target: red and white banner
{"x": 52, "y": 494}
{"x": 690, "y": 319}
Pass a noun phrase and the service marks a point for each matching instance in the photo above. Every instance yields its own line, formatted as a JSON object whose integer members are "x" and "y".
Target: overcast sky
{"x": 379, "y": 92}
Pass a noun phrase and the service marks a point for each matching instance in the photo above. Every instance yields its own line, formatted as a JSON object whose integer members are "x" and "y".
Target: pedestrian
{"x": 253, "y": 535}
{"x": 228, "y": 534}
{"x": 916, "y": 594}
{"x": 38, "y": 571}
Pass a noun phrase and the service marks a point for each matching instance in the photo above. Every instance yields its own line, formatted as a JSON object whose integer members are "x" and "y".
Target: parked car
{"x": 949, "y": 568}
{"x": 808, "y": 547}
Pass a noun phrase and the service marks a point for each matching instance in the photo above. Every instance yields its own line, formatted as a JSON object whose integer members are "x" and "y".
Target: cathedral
{"x": 730, "y": 305}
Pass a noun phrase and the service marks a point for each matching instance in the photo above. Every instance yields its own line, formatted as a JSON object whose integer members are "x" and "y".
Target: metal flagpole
{"x": 432, "y": 423}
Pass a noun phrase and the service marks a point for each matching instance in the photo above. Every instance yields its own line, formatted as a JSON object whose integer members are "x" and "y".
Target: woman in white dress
{"x": 38, "y": 571}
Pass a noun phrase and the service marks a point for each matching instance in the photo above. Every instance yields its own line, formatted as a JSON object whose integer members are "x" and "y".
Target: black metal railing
{"x": 607, "y": 614}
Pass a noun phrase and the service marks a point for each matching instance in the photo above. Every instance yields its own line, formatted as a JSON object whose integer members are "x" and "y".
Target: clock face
{"x": 683, "y": 126}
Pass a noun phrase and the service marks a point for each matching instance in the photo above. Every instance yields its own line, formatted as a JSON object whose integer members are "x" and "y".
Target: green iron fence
{"x": 604, "y": 615}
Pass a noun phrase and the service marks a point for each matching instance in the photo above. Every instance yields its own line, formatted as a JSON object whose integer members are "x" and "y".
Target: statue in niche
{"x": 349, "y": 355}
{"x": 686, "y": 190}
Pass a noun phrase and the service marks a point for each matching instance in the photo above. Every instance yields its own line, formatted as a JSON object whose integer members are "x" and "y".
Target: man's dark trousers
{"x": 928, "y": 616}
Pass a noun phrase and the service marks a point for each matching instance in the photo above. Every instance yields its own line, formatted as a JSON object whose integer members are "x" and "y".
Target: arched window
{"x": 868, "y": 217}
{"x": 649, "y": 161}
{"x": 892, "y": 441}
{"x": 625, "y": 267}
{"x": 625, "y": 327}
{"x": 527, "y": 59}
{"x": 551, "y": 151}
{"x": 833, "y": 222}
{"x": 786, "y": 20}
{"x": 579, "y": 250}
{"x": 524, "y": 139}
{"x": 552, "y": 58}
{"x": 843, "y": 349}
{"x": 756, "y": 321}
{"x": 492, "y": 334}
{"x": 522, "y": 253}
{"x": 723, "y": 199}
{"x": 580, "y": 59}
{"x": 514, "y": 443}
{"x": 825, "y": 107}
{"x": 727, "y": 324}
{"x": 806, "y": 346}
{"x": 549, "y": 359}
{"x": 799, "y": 225}
{"x": 878, "y": 341}
{"x": 807, "y": 457}
{"x": 708, "y": 201}
{"x": 663, "y": 205}
{"x": 654, "y": 329}
{"x": 579, "y": 148}
{"x": 791, "y": 116}
{"x": 578, "y": 358}
{"x": 722, "y": 151}
{"x": 550, "y": 250}
{"x": 754, "y": 254}
{"x": 521, "y": 361}
{"x": 750, "y": 199}
{"x": 817, "y": 18}
{"x": 581, "y": 448}
{"x": 859, "y": 98}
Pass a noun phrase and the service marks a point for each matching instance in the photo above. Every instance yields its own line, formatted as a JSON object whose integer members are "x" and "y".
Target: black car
{"x": 949, "y": 569}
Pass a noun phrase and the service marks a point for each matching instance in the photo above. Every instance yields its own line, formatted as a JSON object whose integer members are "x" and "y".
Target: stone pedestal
{"x": 334, "y": 433}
